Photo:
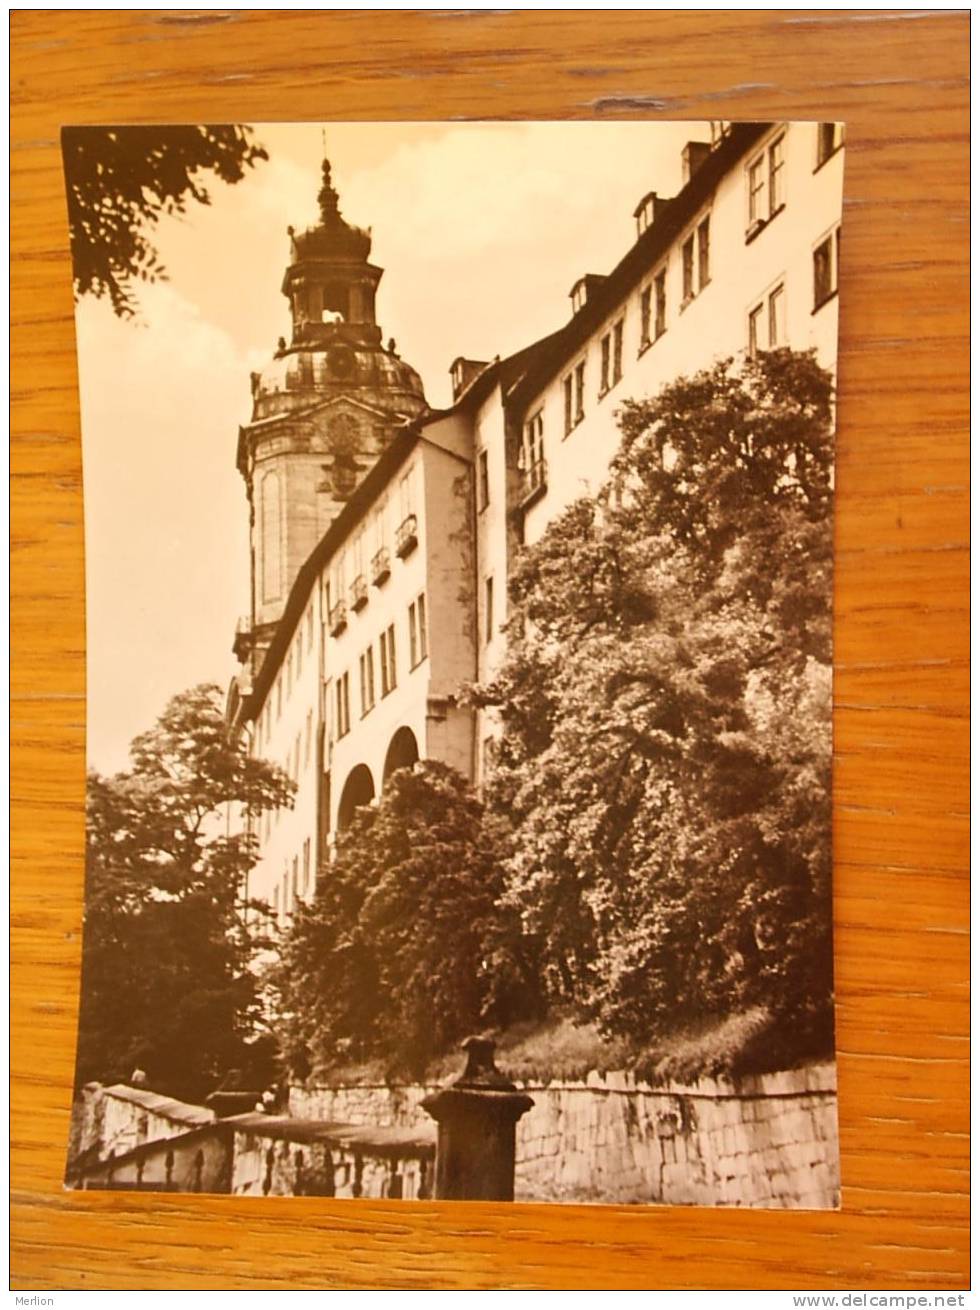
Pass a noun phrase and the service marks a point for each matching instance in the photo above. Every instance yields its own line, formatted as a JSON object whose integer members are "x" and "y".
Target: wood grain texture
{"x": 900, "y": 80}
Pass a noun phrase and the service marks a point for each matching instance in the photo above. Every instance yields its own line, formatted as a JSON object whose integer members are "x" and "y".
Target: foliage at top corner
{"x": 120, "y": 180}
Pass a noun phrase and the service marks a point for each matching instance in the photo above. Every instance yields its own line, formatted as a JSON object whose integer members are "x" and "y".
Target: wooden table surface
{"x": 900, "y": 80}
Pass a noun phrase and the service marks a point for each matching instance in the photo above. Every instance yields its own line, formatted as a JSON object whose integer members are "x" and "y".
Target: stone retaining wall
{"x": 768, "y": 1141}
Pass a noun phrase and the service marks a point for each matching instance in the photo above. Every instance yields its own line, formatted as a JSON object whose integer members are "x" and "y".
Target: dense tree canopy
{"x": 405, "y": 948}
{"x": 665, "y": 768}
{"x": 166, "y": 983}
{"x": 121, "y": 179}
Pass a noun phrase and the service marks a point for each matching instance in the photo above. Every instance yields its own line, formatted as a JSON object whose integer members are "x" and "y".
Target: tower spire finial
{"x": 329, "y": 207}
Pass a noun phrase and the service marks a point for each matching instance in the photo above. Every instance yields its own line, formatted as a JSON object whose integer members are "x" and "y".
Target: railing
{"x": 338, "y": 618}
{"x": 358, "y": 593}
{"x": 535, "y": 482}
{"x": 407, "y": 536}
{"x": 380, "y": 566}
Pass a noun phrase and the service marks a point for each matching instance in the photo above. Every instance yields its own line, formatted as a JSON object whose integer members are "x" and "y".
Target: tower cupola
{"x": 329, "y": 282}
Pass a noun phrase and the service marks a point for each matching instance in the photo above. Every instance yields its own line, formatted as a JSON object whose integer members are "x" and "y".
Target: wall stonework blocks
{"x": 768, "y": 1141}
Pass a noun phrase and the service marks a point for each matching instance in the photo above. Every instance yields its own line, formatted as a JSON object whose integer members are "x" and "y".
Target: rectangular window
{"x": 379, "y": 528}
{"x": 343, "y": 706}
{"x": 826, "y": 258}
{"x": 532, "y": 450}
{"x": 309, "y": 629}
{"x": 417, "y": 639}
{"x": 776, "y": 162}
{"x": 367, "y": 681}
{"x": 482, "y": 481}
{"x": 279, "y": 696}
{"x": 423, "y": 632}
{"x": 755, "y": 328}
{"x": 309, "y": 738}
{"x": 406, "y": 498}
{"x": 488, "y": 608}
{"x": 569, "y": 411}
{"x": 295, "y": 895}
{"x": 757, "y": 191}
{"x": 579, "y": 391}
{"x": 767, "y": 322}
{"x": 687, "y": 268}
{"x": 617, "y": 360}
{"x": 777, "y": 317}
{"x": 386, "y": 647}
{"x": 306, "y": 865}
{"x": 767, "y": 189}
{"x": 660, "y": 290}
{"x": 605, "y": 357}
{"x": 645, "y": 301}
{"x": 299, "y": 655}
{"x": 704, "y": 276}
{"x": 830, "y": 138}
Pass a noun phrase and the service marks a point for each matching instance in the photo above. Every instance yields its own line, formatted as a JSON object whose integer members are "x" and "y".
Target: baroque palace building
{"x": 383, "y": 531}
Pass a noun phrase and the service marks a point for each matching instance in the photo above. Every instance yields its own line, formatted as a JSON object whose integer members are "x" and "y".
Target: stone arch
{"x": 358, "y": 791}
{"x": 403, "y": 752}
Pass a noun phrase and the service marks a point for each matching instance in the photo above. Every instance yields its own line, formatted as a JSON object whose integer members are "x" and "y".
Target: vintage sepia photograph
{"x": 459, "y": 584}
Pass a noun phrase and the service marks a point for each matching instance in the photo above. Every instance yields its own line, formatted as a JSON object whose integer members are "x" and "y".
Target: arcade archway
{"x": 358, "y": 791}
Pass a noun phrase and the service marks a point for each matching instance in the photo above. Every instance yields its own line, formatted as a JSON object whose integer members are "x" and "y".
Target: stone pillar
{"x": 476, "y": 1115}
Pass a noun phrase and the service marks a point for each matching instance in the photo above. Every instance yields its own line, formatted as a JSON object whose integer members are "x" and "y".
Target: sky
{"x": 481, "y": 228}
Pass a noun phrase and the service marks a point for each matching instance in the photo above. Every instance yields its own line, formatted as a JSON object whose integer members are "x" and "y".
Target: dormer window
{"x": 584, "y": 290}
{"x": 645, "y": 213}
{"x": 463, "y": 371}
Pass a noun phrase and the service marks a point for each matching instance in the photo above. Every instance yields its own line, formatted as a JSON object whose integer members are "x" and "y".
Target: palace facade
{"x": 383, "y": 531}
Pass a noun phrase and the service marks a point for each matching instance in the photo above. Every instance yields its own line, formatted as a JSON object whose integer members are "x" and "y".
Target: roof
{"x": 389, "y": 1142}
{"x": 165, "y": 1106}
{"x": 647, "y": 251}
{"x": 376, "y": 1140}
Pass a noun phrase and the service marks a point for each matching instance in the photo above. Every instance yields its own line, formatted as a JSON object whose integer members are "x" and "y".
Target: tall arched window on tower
{"x": 271, "y": 520}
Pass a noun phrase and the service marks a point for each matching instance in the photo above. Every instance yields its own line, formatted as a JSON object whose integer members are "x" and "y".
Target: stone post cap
{"x": 481, "y": 1069}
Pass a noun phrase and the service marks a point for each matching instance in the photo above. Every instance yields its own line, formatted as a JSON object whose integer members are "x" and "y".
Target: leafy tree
{"x": 166, "y": 982}
{"x": 121, "y": 179}
{"x": 666, "y": 698}
{"x": 404, "y": 949}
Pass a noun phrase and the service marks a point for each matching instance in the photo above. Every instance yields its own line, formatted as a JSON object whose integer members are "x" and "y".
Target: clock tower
{"x": 323, "y": 410}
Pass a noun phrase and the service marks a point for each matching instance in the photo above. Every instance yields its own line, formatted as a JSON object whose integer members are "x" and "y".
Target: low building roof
{"x": 165, "y": 1106}
{"x": 376, "y": 1140}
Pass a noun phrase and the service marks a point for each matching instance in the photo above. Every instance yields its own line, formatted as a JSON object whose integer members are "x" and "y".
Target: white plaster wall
{"x": 714, "y": 323}
{"x": 281, "y": 720}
